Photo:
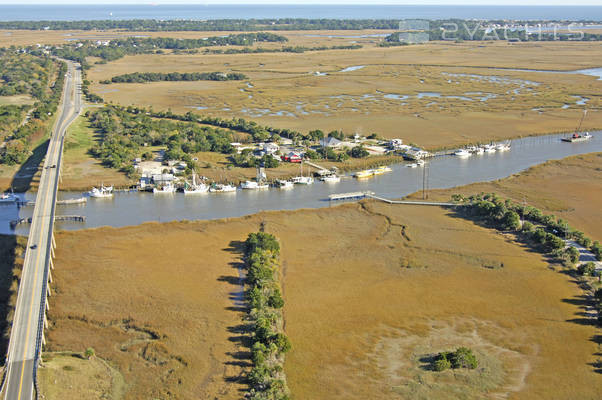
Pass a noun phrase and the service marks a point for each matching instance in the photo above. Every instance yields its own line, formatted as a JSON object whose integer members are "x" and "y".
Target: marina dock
{"x": 350, "y": 196}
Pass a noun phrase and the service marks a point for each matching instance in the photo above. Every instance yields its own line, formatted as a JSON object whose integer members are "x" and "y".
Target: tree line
{"x": 118, "y": 48}
{"x": 242, "y": 25}
{"x": 34, "y": 73}
{"x": 141, "y": 77}
{"x": 286, "y": 49}
{"x": 264, "y": 300}
{"x": 545, "y": 231}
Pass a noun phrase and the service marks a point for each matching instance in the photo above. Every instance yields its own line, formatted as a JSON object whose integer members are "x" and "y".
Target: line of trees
{"x": 141, "y": 77}
{"x": 264, "y": 297}
{"x": 30, "y": 76}
{"x": 118, "y": 48}
{"x": 286, "y": 49}
{"x": 544, "y": 230}
{"x": 277, "y": 24}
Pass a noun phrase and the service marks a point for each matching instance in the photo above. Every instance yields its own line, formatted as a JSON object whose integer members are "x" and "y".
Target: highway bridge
{"x": 27, "y": 332}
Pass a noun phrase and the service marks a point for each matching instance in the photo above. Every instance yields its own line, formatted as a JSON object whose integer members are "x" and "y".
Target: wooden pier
{"x": 75, "y": 218}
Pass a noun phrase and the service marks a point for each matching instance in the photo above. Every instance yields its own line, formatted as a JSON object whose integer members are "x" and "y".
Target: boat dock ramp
{"x": 371, "y": 195}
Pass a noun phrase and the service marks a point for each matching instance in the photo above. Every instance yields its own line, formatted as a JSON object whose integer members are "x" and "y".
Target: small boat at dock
{"x": 332, "y": 178}
{"x": 366, "y": 173}
{"x": 283, "y": 184}
{"x": 502, "y": 147}
{"x": 463, "y": 153}
{"x": 101, "y": 192}
{"x": 222, "y": 188}
{"x": 165, "y": 189}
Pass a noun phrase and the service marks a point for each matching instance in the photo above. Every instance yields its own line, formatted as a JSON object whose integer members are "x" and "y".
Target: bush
{"x": 463, "y": 357}
{"x": 587, "y": 269}
{"x": 358, "y": 152}
{"x": 441, "y": 363}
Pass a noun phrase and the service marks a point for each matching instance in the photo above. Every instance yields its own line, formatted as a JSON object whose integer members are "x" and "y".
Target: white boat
{"x": 462, "y": 153}
{"x": 283, "y": 184}
{"x": 221, "y": 188}
{"x": 194, "y": 187}
{"x": 7, "y": 198}
{"x": 479, "y": 150}
{"x": 252, "y": 185}
{"x": 502, "y": 146}
{"x": 102, "y": 192}
{"x": 330, "y": 178}
{"x": 420, "y": 163}
{"x": 302, "y": 180}
{"x": 169, "y": 188}
{"x": 413, "y": 165}
{"x": 489, "y": 148}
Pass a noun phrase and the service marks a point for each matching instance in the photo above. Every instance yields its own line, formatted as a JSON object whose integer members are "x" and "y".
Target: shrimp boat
{"x": 283, "y": 184}
{"x": 101, "y": 192}
{"x": 222, "y": 188}
{"x": 502, "y": 147}
{"x": 332, "y": 178}
{"x": 259, "y": 183}
{"x": 165, "y": 189}
{"x": 302, "y": 180}
{"x": 463, "y": 153}
{"x": 578, "y": 137}
{"x": 194, "y": 187}
{"x": 489, "y": 148}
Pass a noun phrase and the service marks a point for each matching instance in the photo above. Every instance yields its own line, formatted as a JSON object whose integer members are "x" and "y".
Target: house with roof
{"x": 331, "y": 142}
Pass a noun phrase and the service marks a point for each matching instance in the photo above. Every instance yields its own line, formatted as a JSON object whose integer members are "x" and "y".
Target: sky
{"x": 342, "y": 2}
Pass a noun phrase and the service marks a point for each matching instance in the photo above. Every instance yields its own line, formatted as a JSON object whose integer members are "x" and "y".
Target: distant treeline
{"x": 287, "y": 49}
{"x": 141, "y": 77}
{"x": 242, "y": 25}
{"x": 117, "y": 48}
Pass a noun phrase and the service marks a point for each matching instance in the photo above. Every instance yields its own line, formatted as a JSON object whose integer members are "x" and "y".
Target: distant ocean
{"x": 204, "y": 12}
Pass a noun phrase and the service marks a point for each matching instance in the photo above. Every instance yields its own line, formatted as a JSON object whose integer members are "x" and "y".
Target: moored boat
{"x": 462, "y": 153}
{"x": 194, "y": 187}
{"x": 330, "y": 178}
{"x": 283, "y": 184}
{"x": 164, "y": 189}
{"x": 7, "y": 198}
{"x": 222, "y": 188}
{"x": 101, "y": 192}
{"x": 366, "y": 173}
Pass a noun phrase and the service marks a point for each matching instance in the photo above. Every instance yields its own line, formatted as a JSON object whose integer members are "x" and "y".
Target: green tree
{"x": 587, "y": 269}
{"x": 89, "y": 353}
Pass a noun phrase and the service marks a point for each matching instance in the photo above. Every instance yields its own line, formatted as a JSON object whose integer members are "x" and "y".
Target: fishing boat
{"x": 259, "y": 183}
{"x": 164, "y": 189}
{"x": 194, "y": 187}
{"x": 283, "y": 184}
{"x": 366, "y": 173}
{"x": 332, "y": 178}
{"x": 7, "y": 198}
{"x": 502, "y": 147}
{"x": 302, "y": 180}
{"x": 577, "y": 136}
{"x": 462, "y": 153}
{"x": 222, "y": 188}
{"x": 252, "y": 185}
{"x": 489, "y": 148}
{"x": 101, "y": 192}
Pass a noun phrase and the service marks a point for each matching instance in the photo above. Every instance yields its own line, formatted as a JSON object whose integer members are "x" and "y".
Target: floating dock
{"x": 350, "y": 196}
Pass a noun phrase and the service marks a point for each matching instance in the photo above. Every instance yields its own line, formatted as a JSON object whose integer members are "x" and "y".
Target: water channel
{"x": 443, "y": 172}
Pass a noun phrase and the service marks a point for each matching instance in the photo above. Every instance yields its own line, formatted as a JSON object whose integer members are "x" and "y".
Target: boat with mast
{"x": 101, "y": 192}
{"x": 302, "y": 180}
{"x": 194, "y": 187}
{"x": 578, "y": 136}
{"x": 259, "y": 183}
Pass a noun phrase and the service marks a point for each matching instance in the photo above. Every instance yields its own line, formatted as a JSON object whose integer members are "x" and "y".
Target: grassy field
{"x": 436, "y": 94}
{"x": 80, "y": 169}
{"x": 570, "y": 188}
{"x": 372, "y": 291}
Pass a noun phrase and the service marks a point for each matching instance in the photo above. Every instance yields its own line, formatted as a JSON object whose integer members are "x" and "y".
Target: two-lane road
{"x": 28, "y": 322}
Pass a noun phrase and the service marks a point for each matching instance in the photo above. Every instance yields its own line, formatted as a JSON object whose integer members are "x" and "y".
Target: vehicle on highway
{"x": 33, "y": 246}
